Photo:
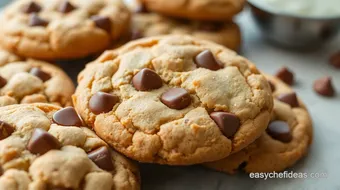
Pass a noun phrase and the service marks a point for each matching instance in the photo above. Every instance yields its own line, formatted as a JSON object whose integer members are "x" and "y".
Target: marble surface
{"x": 324, "y": 155}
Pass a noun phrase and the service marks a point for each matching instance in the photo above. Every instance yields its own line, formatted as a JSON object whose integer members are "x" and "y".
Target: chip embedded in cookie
{"x": 286, "y": 140}
{"x": 212, "y": 10}
{"x": 62, "y": 29}
{"x": 174, "y": 100}
{"x": 146, "y": 24}
{"x": 38, "y": 153}
{"x": 31, "y": 81}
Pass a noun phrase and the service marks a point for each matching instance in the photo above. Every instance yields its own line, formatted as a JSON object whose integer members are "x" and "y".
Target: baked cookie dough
{"x": 174, "y": 100}
{"x": 146, "y": 24}
{"x": 285, "y": 141}
{"x": 213, "y": 10}
{"x": 61, "y": 29}
{"x": 44, "y": 147}
{"x": 30, "y": 81}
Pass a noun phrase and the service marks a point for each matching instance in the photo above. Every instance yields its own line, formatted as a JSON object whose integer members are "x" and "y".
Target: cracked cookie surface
{"x": 152, "y": 24}
{"x": 285, "y": 141}
{"x": 40, "y": 150}
{"x": 215, "y": 10}
{"x": 29, "y": 81}
{"x": 54, "y": 29}
{"x": 174, "y": 100}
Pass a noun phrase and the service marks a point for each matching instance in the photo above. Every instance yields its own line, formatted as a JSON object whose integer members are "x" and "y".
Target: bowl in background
{"x": 294, "y": 31}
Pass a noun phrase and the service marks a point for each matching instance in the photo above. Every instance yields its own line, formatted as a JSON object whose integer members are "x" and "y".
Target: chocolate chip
{"x": 210, "y": 26}
{"x": 280, "y": 130}
{"x": 40, "y": 74}
{"x": 67, "y": 117}
{"x": 35, "y": 20}
{"x": 324, "y": 86}
{"x": 242, "y": 166}
{"x": 147, "y": 79}
{"x": 141, "y": 9}
{"x": 102, "y": 158}
{"x": 207, "y": 60}
{"x": 5, "y": 130}
{"x": 285, "y": 75}
{"x": 290, "y": 99}
{"x": 335, "y": 60}
{"x": 136, "y": 34}
{"x": 32, "y": 7}
{"x": 59, "y": 188}
{"x": 3, "y": 82}
{"x": 176, "y": 98}
{"x": 102, "y": 22}
{"x": 42, "y": 142}
{"x": 272, "y": 86}
{"x": 66, "y": 7}
{"x": 102, "y": 102}
{"x": 227, "y": 122}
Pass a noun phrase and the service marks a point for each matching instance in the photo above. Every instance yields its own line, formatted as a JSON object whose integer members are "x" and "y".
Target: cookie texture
{"x": 152, "y": 24}
{"x": 39, "y": 154}
{"x": 30, "y": 81}
{"x": 285, "y": 141}
{"x": 54, "y": 29}
{"x": 7, "y": 57}
{"x": 215, "y": 10}
{"x": 152, "y": 100}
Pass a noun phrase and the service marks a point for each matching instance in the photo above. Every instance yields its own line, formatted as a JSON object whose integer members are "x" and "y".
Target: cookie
{"x": 45, "y": 147}
{"x": 213, "y": 10}
{"x": 285, "y": 141}
{"x": 7, "y": 57}
{"x": 29, "y": 81}
{"x": 174, "y": 100}
{"x": 59, "y": 29}
{"x": 152, "y": 24}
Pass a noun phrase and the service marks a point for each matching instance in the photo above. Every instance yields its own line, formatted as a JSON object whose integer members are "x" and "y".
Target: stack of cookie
{"x": 207, "y": 19}
{"x": 172, "y": 99}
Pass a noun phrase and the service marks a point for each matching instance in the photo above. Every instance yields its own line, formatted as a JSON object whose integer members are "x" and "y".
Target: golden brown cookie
{"x": 285, "y": 141}
{"x": 153, "y": 24}
{"x": 213, "y": 10}
{"x": 174, "y": 100}
{"x": 44, "y": 147}
{"x": 29, "y": 81}
{"x": 59, "y": 29}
